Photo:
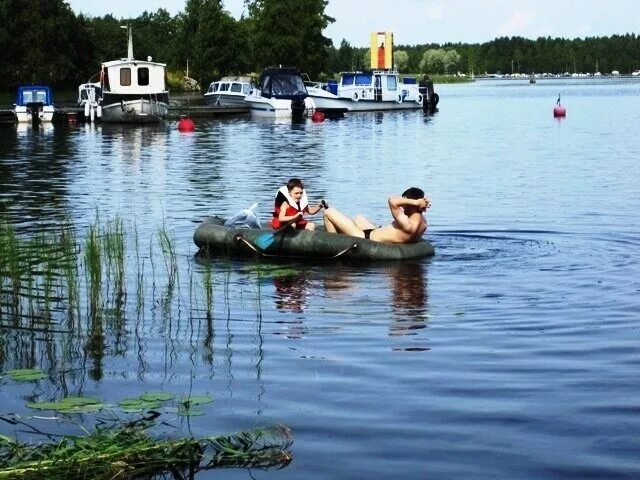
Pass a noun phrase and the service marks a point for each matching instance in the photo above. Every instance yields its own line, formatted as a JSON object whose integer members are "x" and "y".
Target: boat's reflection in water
{"x": 406, "y": 284}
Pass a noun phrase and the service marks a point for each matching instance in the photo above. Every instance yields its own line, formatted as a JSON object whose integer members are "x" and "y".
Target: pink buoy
{"x": 559, "y": 110}
{"x": 317, "y": 116}
{"x": 186, "y": 125}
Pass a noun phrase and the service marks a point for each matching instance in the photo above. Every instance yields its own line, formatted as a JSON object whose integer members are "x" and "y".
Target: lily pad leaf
{"x": 196, "y": 400}
{"x": 26, "y": 374}
{"x": 156, "y": 396}
{"x": 69, "y": 405}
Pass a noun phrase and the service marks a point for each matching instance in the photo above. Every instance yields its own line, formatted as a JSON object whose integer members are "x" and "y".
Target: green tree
{"x": 401, "y": 60}
{"x": 29, "y": 54}
{"x": 289, "y": 32}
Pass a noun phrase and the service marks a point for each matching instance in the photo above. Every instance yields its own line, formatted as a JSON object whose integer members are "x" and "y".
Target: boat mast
{"x": 129, "y": 42}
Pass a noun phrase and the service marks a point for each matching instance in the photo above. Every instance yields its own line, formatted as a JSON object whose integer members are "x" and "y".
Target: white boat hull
{"x": 24, "y": 115}
{"x": 270, "y": 107}
{"x": 135, "y": 111}
{"x": 327, "y": 101}
{"x": 225, "y": 100}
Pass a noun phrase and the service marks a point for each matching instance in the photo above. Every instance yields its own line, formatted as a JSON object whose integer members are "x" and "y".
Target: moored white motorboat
{"x": 133, "y": 91}
{"x": 280, "y": 93}
{"x": 34, "y": 103}
{"x": 380, "y": 88}
{"x": 89, "y": 98}
{"x": 367, "y": 91}
{"x": 228, "y": 92}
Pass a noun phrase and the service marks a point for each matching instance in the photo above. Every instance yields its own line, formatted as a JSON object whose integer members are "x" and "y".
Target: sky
{"x": 439, "y": 21}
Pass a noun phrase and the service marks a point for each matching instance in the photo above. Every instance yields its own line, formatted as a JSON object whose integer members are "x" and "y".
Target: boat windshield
{"x": 236, "y": 87}
{"x": 213, "y": 87}
{"x": 30, "y": 96}
{"x": 283, "y": 86}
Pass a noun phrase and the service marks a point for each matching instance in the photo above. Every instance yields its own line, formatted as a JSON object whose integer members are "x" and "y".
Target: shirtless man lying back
{"x": 408, "y": 224}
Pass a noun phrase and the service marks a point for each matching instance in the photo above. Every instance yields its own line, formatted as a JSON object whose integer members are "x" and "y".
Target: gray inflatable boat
{"x": 215, "y": 239}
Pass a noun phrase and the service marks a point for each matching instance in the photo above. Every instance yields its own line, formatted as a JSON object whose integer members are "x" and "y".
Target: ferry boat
{"x": 381, "y": 88}
{"x": 34, "y": 103}
{"x": 228, "y": 92}
{"x": 133, "y": 91}
{"x": 280, "y": 93}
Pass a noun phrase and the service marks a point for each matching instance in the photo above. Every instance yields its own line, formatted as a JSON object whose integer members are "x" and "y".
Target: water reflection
{"x": 409, "y": 300}
{"x": 291, "y": 292}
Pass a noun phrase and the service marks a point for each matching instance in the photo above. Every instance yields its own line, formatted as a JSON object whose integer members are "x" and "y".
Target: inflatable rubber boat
{"x": 213, "y": 238}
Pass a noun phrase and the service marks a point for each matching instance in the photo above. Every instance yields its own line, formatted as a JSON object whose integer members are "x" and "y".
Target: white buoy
{"x": 99, "y": 111}
{"x": 87, "y": 107}
{"x": 93, "y": 114}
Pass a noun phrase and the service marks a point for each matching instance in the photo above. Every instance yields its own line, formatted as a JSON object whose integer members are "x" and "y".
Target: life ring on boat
{"x": 399, "y": 99}
{"x": 355, "y": 97}
{"x": 419, "y": 100}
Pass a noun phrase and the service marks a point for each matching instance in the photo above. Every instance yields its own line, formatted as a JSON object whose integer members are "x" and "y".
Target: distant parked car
{"x": 615, "y": 72}
{"x": 636, "y": 73}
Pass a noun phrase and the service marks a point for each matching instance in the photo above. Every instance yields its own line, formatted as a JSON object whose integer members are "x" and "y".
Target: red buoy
{"x": 317, "y": 116}
{"x": 186, "y": 125}
{"x": 559, "y": 110}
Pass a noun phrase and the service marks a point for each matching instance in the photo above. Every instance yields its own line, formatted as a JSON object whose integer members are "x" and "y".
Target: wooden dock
{"x": 204, "y": 111}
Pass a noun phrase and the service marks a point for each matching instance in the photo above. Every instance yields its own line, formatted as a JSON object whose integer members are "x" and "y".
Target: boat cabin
{"x": 89, "y": 92}
{"x": 282, "y": 83}
{"x": 239, "y": 85}
{"x": 34, "y": 94}
{"x": 131, "y": 77}
{"x": 377, "y": 85}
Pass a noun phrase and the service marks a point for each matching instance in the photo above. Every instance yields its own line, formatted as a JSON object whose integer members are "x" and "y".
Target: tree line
{"x": 45, "y": 41}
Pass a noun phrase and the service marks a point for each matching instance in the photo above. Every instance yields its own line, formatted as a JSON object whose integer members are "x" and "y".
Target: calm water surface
{"x": 513, "y": 353}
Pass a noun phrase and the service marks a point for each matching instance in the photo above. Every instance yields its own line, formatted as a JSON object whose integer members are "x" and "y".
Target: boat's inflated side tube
{"x": 214, "y": 239}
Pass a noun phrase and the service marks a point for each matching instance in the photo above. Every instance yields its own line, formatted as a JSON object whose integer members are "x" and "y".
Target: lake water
{"x": 513, "y": 353}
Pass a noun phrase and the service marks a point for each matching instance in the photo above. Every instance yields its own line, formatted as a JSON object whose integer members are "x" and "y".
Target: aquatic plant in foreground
{"x": 130, "y": 451}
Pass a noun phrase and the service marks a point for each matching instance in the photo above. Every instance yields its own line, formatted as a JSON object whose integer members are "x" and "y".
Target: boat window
{"x": 236, "y": 87}
{"x": 143, "y": 76}
{"x": 287, "y": 86}
{"x": 246, "y": 89}
{"x": 363, "y": 79}
{"x": 392, "y": 83}
{"x": 224, "y": 87}
{"x": 213, "y": 87}
{"x": 125, "y": 77}
{"x": 30, "y": 96}
{"x": 347, "y": 79}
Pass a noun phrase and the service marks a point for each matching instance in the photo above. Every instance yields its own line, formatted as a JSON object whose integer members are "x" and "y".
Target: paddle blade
{"x": 264, "y": 240}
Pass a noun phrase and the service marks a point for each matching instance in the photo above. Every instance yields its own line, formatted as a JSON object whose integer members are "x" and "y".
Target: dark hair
{"x": 414, "y": 193}
{"x": 294, "y": 182}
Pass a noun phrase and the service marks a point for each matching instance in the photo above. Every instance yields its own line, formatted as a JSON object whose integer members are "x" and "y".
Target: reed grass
{"x": 79, "y": 279}
{"x": 130, "y": 451}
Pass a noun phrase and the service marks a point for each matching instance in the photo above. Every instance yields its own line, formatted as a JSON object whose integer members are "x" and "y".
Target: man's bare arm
{"x": 402, "y": 220}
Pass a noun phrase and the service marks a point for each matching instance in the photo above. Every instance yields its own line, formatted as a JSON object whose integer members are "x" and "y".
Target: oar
{"x": 264, "y": 240}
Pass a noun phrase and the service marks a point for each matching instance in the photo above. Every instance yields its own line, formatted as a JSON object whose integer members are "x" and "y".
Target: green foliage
{"x": 401, "y": 60}
{"x": 130, "y": 451}
{"x": 439, "y": 61}
{"x": 45, "y": 42}
{"x": 289, "y": 32}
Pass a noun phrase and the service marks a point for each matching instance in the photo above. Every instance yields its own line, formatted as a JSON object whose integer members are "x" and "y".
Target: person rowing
{"x": 291, "y": 201}
{"x": 408, "y": 225}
